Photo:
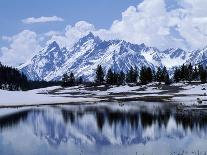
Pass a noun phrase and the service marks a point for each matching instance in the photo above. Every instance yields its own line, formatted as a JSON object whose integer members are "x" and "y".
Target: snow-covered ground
{"x": 192, "y": 94}
{"x": 35, "y": 97}
{"x": 186, "y": 94}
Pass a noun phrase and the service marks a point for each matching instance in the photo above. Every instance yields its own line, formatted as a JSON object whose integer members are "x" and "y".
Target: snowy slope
{"x": 82, "y": 59}
{"x": 198, "y": 56}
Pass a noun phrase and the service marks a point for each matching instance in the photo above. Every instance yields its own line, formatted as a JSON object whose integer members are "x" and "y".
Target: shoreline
{"x": 189, "y": 95}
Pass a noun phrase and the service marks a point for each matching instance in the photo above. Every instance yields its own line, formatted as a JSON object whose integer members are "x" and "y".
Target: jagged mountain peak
{"x": 82, "y": 59}
{"x": 89, "y": 36}
{"x": 53, "y": 46}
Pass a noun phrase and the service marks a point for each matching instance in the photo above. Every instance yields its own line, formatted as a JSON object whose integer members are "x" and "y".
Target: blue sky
{"x": 27, "y": 26}
{"x": 101, "y": 13}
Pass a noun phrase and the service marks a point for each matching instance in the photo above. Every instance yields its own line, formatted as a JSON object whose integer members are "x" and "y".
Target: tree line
{"x": 190, "y": 73}
{"x": 144, "y": 76}
{"x": 12, "y": 79}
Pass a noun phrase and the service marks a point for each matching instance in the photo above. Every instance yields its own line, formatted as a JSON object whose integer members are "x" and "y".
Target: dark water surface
{"x": 102, "y": 129}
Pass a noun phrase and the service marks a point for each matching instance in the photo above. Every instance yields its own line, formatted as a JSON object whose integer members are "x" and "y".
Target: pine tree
{"x": 132, "y": 75}
{"x": 110, "y": 77}
{"x": 80, "y": 80}
{"x": 65, "y": 80}
{"x": 121, "y": 78}
{"x": 99, "y": 79}
{"x": 135, "y": 75}
{"x": 146, "y": 75}
{"x": 68, "y": 81}
{"x": 176, "y": 75}
{"x": 149, "y": 74}
{"x": 129, "y": 77}
{"x": 12, "y": 79}
{"x": 195, "y": 75}
{"x": 202, "y": 74}
{"x": 159, "y": 75}
{"x": 153, "y": 75}
{"x": 189, "y": 73}
{"x": 142, "y": 76}
{"x": 71, "y": 80}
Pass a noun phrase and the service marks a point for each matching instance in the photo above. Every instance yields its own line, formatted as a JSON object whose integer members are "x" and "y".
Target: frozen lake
{"x": 128, "y": 128}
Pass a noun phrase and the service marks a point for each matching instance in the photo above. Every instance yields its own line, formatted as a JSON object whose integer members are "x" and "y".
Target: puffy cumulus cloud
{"x": 21, "y": 47}
{"x": 195, "y": 7}
{"x": 33, "y": 20}
{"x": 192, "y": 23}
{"x": 148, "y": 23}
{"x": 72, "y": 34}
{"x": 155, "y": 25}
{"x": 52, "y": 33}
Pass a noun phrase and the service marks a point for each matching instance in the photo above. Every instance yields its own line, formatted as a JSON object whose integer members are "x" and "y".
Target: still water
{"x": 103, "y": 129}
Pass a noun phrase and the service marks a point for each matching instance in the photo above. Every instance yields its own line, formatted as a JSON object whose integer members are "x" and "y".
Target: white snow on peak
{"x": 90, "y": 51}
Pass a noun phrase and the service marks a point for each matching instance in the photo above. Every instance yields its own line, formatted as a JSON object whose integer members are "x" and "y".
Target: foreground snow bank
{"x": 33, "y": 97}
{"x": 187, "y": 94}
{"x": 191, "y": 94}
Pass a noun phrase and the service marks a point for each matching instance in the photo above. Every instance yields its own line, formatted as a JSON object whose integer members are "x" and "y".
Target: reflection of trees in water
{"x": 192, "y": 121}
{"x": 113, "y": 117}
{"x": 12, "y": 120}
{"x": 147, "y": 119}
{"x": 58, "y": 125}
{"x": 68, "y": 116}
{"x": 136, "y": 118}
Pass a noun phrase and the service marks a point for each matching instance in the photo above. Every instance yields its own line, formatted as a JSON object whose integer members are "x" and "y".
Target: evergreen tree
{"x": 189, "y": 73}
{"x": 202, "y": 74}
{"x": 165, "y": 75}
{"x": 162, "y": 75}
{"x": 159, "y": 75}
{"x": 129, "y": 77}
{"x": 110, "y": 77}
{"x": 132, "y": 75}
{"x": 80, "y": 80}
{"x": 195, "y": 75}
{"x": 142, "y": 77}
{"x": 176, "y": 75}
{"x": 135, "y": 75}
{"x": 115, "y": 78}
{"x": 99, "y": 79}
{"x": 12, "y": 79}
{"x": 121, "y": 78}
{"x": 146, "y": 75}
{"x": 65, "y": 80}
{"x": 149, "y": 74}
{"x": 71, "y": 80}
{"x": 154, "y": 75}
{"x": 68, "y": 81}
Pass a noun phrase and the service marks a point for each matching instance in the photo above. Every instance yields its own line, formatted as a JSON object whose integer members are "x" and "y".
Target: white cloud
{"x": 147, "y": 23}
{"x": 150, "y": 22}
{"x": 153, "y": 24}
{"x": 192, "y": 25}
{"x": 52, "y": 33}
{"x": 33, "y": 20}
{"x": 22, "y": 47}
{"x": 72, "y": 34}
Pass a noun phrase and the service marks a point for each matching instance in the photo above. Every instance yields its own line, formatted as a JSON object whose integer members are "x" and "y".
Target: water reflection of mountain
{"x": 103, "y": 126}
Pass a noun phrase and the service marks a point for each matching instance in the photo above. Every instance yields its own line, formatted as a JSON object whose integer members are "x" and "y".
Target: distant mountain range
{"x": 82, "y": 59}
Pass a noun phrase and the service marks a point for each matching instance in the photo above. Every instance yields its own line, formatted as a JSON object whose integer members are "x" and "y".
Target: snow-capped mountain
{"x": 198, "y": 56}
{"x": 90, "y": 51}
